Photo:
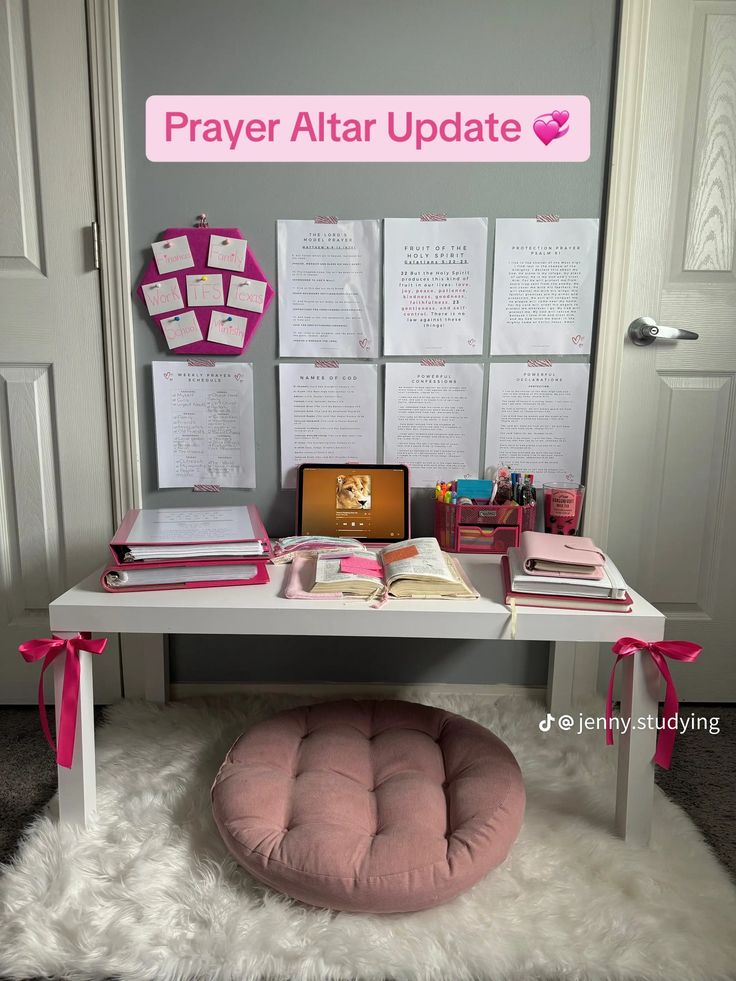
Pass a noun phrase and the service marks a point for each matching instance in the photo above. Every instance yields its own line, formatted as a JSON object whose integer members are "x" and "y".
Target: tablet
{"x": 369, "y": 502}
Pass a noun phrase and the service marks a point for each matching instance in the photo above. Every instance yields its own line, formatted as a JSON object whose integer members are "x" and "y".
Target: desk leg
{"x": 146, "y": 666}
{"x": 635, "y": 779}
{"x": 78, "y": 785}
{"x": 560, "y": 677}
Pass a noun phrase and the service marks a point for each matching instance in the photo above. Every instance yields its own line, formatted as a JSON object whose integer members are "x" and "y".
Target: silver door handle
{"x": 644, "y": 330}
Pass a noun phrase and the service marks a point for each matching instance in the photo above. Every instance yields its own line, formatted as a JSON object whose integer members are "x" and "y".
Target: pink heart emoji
{"x": 561, "y": 117}
{"x": 364, "y": 342}
{"x": 238, "y": 377}
{"x": 471, "y": 342}
{"x": 168, "y": 375}
{"x": 546, "y": 130}
{"x": 578, "y": 339}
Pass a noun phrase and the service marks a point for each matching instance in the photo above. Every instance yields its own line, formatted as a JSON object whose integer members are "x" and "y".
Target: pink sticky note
{"x": 361, "y": 567}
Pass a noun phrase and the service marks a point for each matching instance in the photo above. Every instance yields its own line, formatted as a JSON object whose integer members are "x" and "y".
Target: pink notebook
{"x": 559, "y": 555}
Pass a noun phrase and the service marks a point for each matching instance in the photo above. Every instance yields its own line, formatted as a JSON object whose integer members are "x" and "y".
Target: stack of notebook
{"x": 563, "y": 572}
{"x": 184, "y": 548}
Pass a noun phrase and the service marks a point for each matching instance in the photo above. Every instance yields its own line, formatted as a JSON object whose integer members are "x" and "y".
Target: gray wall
{"x": 344, "y": 47}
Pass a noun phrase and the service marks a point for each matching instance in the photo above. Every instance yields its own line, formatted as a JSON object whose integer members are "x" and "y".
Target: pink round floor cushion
{"x": 369, "y": 806}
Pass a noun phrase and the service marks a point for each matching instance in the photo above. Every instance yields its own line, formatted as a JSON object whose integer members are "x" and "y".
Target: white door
{"x": 55, "y": 507}
{"x": 662, "y": 471}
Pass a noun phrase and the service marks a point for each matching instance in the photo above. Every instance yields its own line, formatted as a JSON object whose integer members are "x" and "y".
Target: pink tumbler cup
{"x": 563, "y": 504}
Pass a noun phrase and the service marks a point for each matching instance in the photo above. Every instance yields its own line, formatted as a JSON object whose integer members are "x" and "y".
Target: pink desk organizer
{"x": 487, "y": 528}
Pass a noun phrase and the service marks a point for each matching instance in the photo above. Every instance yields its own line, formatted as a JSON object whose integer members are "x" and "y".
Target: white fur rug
{"x": 149, "y": 892}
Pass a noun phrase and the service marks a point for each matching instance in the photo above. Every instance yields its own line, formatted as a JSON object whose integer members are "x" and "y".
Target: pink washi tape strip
{"x": 433, "y": 216}
{"x": 325, "y": 220}
{"x": 206, "y": 488}
{"x": 201, "y": 362}
{"x": 326, "y": 363}
{"x": 548, "y": 217}
{"x": 539, "y": 363}
{"x": 432, "y": 362}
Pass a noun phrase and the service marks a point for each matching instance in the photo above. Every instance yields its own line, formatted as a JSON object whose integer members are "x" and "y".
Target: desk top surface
{"x": 262, "y": 609}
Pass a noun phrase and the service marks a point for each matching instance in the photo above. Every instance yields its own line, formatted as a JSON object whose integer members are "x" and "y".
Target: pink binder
{"x": 125, "y": 536}
{"x": 261, "y": 576}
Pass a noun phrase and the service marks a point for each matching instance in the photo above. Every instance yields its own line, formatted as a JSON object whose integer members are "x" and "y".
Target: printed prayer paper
{"x": 204, "y": 424}
{"x": 329, "y": 289}
{"x": 434, "y": 281}
{"x": 227, "y": 253}
{"x": 181, "y": 329}
{"x": 432, "y": 420}
{"x": 544, "y": 286}
{"x": 328, "y": 415}
{"x": 536, "y": 418}
{"x": 172, "y": 254}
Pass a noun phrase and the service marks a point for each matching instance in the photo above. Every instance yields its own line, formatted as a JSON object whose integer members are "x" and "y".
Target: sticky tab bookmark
{"x": 356, "y": 566}
{"x": 397, "y": 554}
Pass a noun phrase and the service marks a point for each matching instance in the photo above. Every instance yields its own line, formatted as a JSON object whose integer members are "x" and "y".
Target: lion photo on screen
{"x": 353, "y": 492}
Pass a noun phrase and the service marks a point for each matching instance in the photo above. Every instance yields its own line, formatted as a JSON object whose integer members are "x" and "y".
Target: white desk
{"x": 261, "y": 610}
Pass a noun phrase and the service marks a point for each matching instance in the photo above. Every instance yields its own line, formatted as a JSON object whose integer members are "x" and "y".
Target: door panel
{"x": 55, "y": 500}
{"x": 673, "y": 513}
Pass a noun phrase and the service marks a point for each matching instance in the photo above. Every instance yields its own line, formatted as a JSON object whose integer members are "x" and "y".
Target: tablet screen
{"x": 366, "y": 502}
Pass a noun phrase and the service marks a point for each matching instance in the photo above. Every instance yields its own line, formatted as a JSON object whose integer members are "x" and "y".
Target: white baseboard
{"x": 354, "y": 689}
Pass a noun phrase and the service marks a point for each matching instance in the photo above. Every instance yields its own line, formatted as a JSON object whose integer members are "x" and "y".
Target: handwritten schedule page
{"x": 432, "y": 420}
{"x": 536, "y": 418}
{"x": 328, "y": 415}
{"x": 204, "y": 424}
{"x": 434, "y": 276}
{"x": 544, "y": 286}
{"x": 329, "y": 289}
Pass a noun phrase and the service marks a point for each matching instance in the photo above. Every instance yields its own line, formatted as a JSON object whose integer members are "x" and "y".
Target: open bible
{"x": 412, "y": 569}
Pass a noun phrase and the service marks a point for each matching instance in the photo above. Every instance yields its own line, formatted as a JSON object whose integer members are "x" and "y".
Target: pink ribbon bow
{"x": 49, "y": 649}
{"x": 659, "y": 651}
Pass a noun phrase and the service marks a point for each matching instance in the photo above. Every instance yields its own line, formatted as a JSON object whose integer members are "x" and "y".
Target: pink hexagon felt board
{"x": 205, "y": 290}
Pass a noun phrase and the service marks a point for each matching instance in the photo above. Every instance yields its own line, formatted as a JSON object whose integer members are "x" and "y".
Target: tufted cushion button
{"x": 414, "y": 865}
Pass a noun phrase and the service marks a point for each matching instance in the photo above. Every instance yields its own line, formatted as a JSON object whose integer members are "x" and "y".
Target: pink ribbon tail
{"x": 49, "y": 648}
{"x": 659, "y": 651}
